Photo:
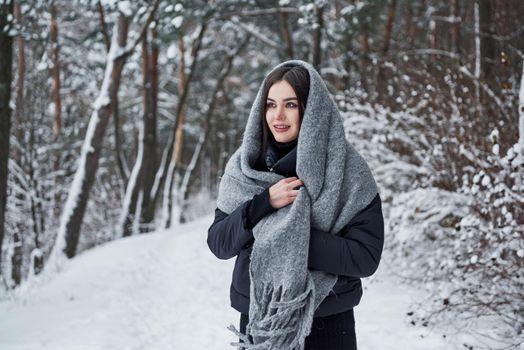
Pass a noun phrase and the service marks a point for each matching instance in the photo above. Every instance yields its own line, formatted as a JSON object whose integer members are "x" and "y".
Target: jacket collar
{"x": 284, "y": 164}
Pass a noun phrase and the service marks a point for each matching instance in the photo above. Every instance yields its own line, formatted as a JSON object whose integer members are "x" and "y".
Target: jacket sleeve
{"x": 230, "y": 233}
{"x": 356, "y": 251}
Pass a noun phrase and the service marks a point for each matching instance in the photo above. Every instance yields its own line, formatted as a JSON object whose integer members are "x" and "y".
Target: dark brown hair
{"x": 298, "y": 77}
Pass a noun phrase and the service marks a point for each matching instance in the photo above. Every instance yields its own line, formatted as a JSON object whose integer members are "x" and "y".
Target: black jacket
{"x": 353, "y": 254}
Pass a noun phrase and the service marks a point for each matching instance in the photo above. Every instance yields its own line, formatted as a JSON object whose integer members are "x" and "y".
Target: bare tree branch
{"x": 103, "y": 25}
{"x": 256, "y": 33}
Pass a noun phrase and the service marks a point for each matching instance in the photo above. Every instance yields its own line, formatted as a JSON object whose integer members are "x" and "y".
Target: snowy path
{"x": 167, "y": 291}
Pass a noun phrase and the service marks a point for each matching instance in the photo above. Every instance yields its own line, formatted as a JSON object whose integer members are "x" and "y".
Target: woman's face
{"x": 282, "y": 110}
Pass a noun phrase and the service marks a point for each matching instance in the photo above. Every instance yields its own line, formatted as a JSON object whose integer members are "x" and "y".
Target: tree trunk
{"x": 74, "y": 210}
{"x": 283, "y": 19}
{"x": 18, "y": 130}
{"x": 412, "y": 35}
{"x": 37, "y": 215}
{"x": 392, "y": 7}
{"x": 150, "y": 160}
{"x": 55, "y": 72}
{"x": 433, "y": 37}
{"x": 487, "y": 45}
{"x": 118, "y": 153}
{"x": 55, "y": 93}
{"x": 317, "y": 36}
{"x": 137, "y": 180}
{"x": 382, "y": 81}
{"x": 16, "y": 259}
{"x": 521, "y": 115}
{"x": 6, "y": 47}
{"x": 478, "y": 58}
{"x": 366, "y": 61}
{"x": 179, "y": 144}
{"x": 142, "y": 180}
{"x": 127, "y": 216}
{"x": 519, "y": 181}
{"x": 103, "y": 26}
{"x": 455, "y": 27}
{"x": 410, "y": 23}
{"x": 19, "y": 104}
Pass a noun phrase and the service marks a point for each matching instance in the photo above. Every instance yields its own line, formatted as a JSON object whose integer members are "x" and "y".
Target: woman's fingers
{"x": 283, "y": 192}
{"x": 295, "y": 183}
{"x": 293, "y": 193}
{"x": 289, "y": 179}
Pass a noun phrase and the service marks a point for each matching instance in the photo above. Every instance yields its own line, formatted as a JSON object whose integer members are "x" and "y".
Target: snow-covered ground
{"x": 166, "y": 290}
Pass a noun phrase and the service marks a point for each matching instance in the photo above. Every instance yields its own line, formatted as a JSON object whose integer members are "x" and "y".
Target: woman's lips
{"x": 281, "y": 129}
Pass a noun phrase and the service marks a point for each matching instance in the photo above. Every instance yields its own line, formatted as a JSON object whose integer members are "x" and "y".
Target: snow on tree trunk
{"x": 138, "y": 212}
{"x": 184, "y": 187}
{"x": 131, "y": 191}
{"x": 74, "y": 209}
{"x": 172, "y": 182}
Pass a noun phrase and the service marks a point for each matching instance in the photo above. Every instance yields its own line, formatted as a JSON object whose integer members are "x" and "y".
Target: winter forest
{"x": 118, "y": 117}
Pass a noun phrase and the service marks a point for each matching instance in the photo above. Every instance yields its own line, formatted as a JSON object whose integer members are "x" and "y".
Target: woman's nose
{"x": 280, "y": 113}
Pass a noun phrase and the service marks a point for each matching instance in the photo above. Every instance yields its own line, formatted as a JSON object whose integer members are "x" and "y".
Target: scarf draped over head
{"x": 338, "y": 183}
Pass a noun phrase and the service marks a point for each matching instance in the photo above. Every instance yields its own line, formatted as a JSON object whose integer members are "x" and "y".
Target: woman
{"x": 300, "y": 210}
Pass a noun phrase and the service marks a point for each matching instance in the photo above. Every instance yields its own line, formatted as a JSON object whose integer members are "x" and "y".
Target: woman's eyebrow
{"x": 286, "y": 99}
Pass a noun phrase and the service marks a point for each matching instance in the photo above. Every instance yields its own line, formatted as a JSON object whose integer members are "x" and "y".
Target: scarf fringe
{"x": 276, "y": 329}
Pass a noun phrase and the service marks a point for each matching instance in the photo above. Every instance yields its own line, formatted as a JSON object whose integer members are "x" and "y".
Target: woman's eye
{"x": 289, "y": 105}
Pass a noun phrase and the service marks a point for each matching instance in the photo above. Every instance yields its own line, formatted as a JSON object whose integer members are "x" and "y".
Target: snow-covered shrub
{"x": 454, "y": 211}
{"x": 491, "y": 246}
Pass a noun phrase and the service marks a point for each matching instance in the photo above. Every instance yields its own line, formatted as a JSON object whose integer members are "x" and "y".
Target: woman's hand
{"x": 282, "y": 193}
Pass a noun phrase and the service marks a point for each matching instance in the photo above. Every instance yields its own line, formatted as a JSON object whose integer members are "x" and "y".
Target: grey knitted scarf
{"x": 338, "y": 183}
